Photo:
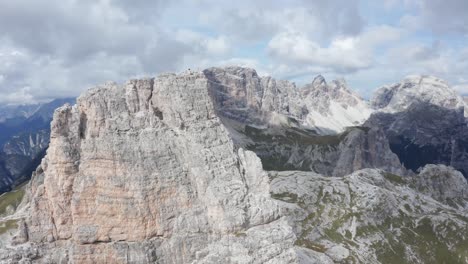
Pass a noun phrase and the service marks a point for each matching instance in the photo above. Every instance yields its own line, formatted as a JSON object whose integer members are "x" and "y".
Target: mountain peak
{"x": 341, "y": 82}
{"x": 319, "y": 80}
{"x": 416, "y": 89}
{"x": 425, "y": 79}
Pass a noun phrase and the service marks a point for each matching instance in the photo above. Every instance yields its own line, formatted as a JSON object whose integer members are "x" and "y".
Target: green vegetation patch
{"x": 240, "y": 234}
{"x": 8, "y": 225}
{"x": 285, "y": 197}
{"x": 310, "y": 245}
{"x": 394, "y": 178}
{"x": 421, "y": 240}
{"x": 12, "y": 198}
{"x": 293, "y": 135}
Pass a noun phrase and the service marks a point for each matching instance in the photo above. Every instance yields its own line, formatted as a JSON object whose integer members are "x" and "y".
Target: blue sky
{"x": 52, "y": 48}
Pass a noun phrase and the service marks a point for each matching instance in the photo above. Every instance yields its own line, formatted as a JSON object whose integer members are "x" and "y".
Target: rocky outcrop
{"x": 424, "y": 121}
{"x": 280, "y": 123}
{"x": 444, "y": 184}
{"x": 366, "y": 148}
{"x": 371, "y": 216}
{"x": 146, "y": 172}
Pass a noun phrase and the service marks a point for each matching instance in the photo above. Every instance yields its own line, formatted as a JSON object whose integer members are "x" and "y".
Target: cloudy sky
{"x": 58, "y": 48}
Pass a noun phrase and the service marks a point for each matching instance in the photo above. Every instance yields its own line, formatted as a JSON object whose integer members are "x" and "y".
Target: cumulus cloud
{"x": 343, "y": 54}
{"x": 69, "y": 45}
{"x": 53, "y": 48}
{"x": 445, "y": 16}
{"x": 438, "y": 16}
{"x": 254, "y": 21}
{"x": 21, "y": 96}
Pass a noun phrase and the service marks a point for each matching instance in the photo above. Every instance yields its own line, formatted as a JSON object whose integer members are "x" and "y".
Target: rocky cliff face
{"x": 160, "y": 171}
{"x": 146, "y": 172}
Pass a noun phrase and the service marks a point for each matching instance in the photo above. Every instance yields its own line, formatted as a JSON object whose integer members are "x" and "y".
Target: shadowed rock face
{"x": 426, "y": 134}
{"x": 424, "y": 121}
{"x": 24, "y": 137}
{"x": 288, "y": 147}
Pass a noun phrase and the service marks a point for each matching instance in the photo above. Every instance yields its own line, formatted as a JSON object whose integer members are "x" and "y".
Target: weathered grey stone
{"x": 145, "y": 172}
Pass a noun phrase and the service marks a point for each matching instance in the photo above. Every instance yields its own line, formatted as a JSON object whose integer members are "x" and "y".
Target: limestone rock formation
{"x": 280, "y": 123}
{"x": 288, "y": 147}
{"x": 425, "y": 122}
{"x": 240, "y": 94}
{"x": 202, "y": 167}
{"x": 444, "y": 184}
{"x": 144, "y": 173}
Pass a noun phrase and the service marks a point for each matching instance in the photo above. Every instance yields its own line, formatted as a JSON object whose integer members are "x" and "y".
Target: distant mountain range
{"x": 24, "y": 137}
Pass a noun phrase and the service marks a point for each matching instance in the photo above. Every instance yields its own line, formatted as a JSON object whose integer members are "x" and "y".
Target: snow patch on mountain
{"x": 241, "y": 94}
{"x": 339, "y": 116}
{"x": 334, "y": 106}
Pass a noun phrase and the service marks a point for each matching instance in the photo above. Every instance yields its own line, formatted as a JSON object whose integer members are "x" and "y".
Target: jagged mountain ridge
{"x": 242, "y": 95}
{"x": 17, "y": 111}
{"x": 263, "y": 115}
{"x": 25, "y": 133}
{"x": 148, "y": 172}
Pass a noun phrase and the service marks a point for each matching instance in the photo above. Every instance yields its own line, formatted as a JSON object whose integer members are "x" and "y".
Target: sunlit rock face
{"x": 144, "y": 173}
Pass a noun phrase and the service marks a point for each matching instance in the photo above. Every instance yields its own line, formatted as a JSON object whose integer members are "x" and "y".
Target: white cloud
{"x": 203, "y": 44}
{"x": 343, "y": 54}
{"x": 21, "y": 96}
{"x": 59, "y": 48}
{"x": 461, "y": 88}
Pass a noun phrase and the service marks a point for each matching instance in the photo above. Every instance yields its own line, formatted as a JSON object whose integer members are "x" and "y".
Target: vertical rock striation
{"x": 146, "y": 172}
